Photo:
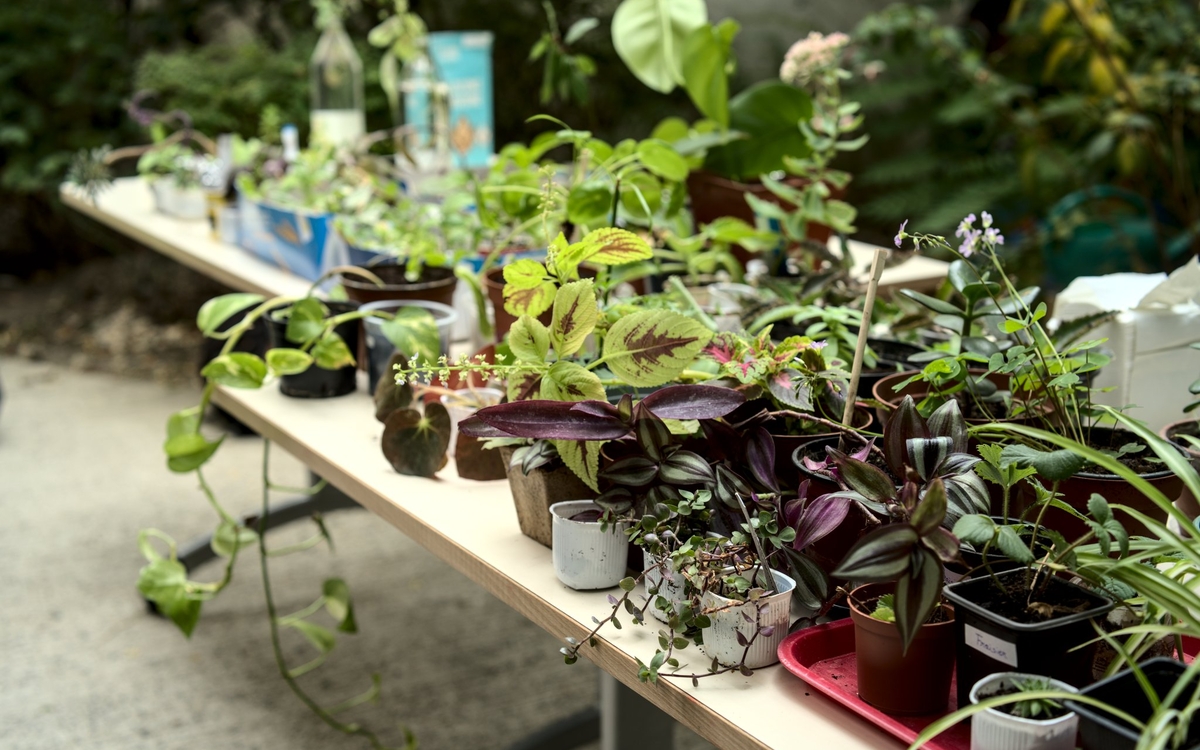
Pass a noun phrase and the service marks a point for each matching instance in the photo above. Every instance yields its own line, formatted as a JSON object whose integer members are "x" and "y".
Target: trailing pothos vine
{"x": 312, "y": 342}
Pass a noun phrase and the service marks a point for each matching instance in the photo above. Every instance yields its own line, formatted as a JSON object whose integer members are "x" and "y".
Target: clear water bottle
{"x": 336, "y": 87}
{"x": 424, "y": 115}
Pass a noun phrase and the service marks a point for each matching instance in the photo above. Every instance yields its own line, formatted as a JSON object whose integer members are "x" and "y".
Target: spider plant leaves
{"x": 414, "y": 443}
{"x": 881, "y": 555}
{"x": 652, "y": 347}
{"x": 1054, "y": 465}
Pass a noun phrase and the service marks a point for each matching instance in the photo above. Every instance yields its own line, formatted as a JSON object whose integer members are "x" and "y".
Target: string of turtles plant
{"x": 164, "y": 580}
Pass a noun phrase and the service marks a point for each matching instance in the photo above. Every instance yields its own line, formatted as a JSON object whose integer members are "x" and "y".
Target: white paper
{"x": 994, "y": 646}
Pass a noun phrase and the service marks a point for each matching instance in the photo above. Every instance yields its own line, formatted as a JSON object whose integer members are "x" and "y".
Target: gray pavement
{"x": 84, "y": 665}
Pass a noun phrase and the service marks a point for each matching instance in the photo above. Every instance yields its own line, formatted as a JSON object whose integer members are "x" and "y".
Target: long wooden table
{"x": 472, "y": 526}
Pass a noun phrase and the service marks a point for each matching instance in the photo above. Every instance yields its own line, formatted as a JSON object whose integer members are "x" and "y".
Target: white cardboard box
{"x": 1153, "y": 363}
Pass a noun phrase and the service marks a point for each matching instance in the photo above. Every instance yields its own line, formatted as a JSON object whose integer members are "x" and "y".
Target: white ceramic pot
{"x": 660, "y": 574}
{"x": 720, "y": 639}
{"x": 996, "y": 730}
{"x": 458, "y": 412}
{"x": 587, "y": 557}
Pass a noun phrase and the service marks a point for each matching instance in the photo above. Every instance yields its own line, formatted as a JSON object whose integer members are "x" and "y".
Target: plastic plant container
{"x": 1100, "y": 730}
{"x": 996, "y": 730}
{"x": 586, "y": 555}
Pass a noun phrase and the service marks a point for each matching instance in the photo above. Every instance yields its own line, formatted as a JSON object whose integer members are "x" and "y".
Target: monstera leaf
{"x": 652, "y": 347}
{"x": 414, "y": 443}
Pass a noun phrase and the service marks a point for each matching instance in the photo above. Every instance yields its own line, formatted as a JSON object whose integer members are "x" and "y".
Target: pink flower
{"x": 809, "y": 55}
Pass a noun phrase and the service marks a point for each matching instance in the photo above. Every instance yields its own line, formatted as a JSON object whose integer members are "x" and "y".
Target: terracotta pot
{"x": 1078, "y": 489}
{"x": 502, "y": 320}
{"x": 915, "y": 682}
{"x": 713, "y": 196}
{"x": 1186, "y": 502}
{"x": 535, "y": 492}
{"x": 435, "y": 285}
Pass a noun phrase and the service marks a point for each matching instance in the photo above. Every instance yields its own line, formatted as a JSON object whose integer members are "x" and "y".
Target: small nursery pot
{"x": 787, "y": 445}
{"x": 670, "y": 583}
{"x": 996, "y": 730}
{"x": 988, "y": 642}
{"x": 1100, "y": 730}
{"x": 587, "y": 556}
{"x": 915, "y": 682}
{"x": 317, "y": 382}
{"x": 891, "y": 357}
{"x": 436, "y": 284}
{"x": 721, "y": 638}
{"x": 380, "y": 349}
{"x": 535, "y": 492}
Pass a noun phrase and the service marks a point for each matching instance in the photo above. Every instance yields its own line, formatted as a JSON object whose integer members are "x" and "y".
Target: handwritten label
{"x": 997, "y": 648}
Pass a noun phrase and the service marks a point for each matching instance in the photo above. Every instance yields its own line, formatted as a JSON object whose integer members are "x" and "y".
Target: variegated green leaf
{"x": 575, "y": 316}
{"x": 529, "y": 339}
{"x": 567, "y": 381}
{"x": 652, "y": 347}
{"x": 524, "y": 274}
{"x": 610, "y": 246}
{"x": 581, "y": 457}
{"x": 529, "y": 301}
{"x": 331, "y": 353}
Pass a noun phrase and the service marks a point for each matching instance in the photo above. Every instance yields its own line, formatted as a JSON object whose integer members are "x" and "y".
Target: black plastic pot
{"x": 1100, "y": 730}
{"x": 988, "y": 642}
{"x": 317, "y": 382}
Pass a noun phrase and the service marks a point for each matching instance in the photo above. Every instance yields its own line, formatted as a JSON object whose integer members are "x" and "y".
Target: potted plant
{"x": 1028, "y": 724}
{"x": 173, "y": 173}
{"x": 414, "y": 327}
{"x": 901, "y": 627}
{"x": 538, "y": 479}
{"x": 1155, "y": 699}
{"x": 589, "y": 551}
{"x": 412, "y": 246}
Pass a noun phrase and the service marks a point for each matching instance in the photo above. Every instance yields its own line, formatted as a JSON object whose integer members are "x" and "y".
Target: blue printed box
{"x": 464, "y": 62}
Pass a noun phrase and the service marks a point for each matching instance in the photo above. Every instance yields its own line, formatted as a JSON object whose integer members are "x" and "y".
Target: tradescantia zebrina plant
{"x": 917, "y": 450}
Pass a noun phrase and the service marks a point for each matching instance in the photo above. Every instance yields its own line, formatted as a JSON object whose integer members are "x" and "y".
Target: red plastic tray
{"x": 823, "y": 656}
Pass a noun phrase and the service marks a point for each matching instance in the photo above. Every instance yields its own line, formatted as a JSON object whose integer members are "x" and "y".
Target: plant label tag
{"x": 995, "y": 647}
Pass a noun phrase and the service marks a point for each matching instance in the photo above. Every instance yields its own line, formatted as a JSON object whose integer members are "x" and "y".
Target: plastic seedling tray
{"x": 823, "y": 656}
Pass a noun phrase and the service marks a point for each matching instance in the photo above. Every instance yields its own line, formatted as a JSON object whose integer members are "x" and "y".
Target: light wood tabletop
{"x": 128, "y": 207}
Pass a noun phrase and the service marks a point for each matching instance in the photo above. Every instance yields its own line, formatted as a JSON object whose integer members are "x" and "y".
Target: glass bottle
{"x": 424, "y": 114}
{"x": 336, "y": 87}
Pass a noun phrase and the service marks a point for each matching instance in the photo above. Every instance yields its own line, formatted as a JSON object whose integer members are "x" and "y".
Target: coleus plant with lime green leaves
{"x": 644, "y": 349}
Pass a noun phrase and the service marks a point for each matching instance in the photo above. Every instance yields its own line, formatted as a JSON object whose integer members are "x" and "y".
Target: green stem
{"x": 276, "y": 645}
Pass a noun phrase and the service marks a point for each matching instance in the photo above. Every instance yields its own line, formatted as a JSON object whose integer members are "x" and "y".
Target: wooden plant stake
{"x": 861, "y": 347}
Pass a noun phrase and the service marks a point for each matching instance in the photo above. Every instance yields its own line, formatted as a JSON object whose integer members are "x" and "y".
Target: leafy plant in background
{"x": 566, "y": 73}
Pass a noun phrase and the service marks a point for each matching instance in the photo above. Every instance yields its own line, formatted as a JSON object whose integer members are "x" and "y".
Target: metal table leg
{"x": 199, "y": 551}
{"x": 629, "y": 721}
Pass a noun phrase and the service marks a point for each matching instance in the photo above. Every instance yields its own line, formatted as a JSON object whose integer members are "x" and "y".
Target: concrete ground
{"x": 85, "y": 666}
